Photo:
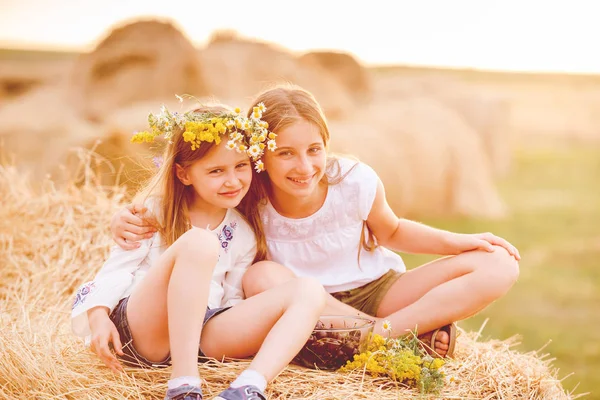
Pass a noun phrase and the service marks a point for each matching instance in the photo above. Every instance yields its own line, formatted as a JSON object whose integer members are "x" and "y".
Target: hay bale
{"x": 345, "y": 68}
{"x": 431, "y": 162}
{"x": 144, "y": 60}
{"x": 41, "y": 268}
{"x": 238, "y": 69}
{"x": 18, "y": 77}
{"x": 487, "y": 113}
{"x": 40, "y": 128}
{"x": 40, "y": 131}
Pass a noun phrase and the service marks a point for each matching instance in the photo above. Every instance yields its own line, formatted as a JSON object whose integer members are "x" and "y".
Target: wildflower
{"x": 386, "y": 326}
{"x": 230, "y": 145}
{"x": 254, "y": 151}
{"x": 157, "y": 161}
{"x": 259, "y": 166}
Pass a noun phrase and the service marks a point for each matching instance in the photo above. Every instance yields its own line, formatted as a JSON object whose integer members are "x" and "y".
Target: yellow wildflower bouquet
{"x": 250, "y": 135}
{"x": 403, "y": 360}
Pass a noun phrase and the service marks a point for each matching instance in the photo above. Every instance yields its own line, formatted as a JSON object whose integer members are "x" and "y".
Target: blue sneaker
{"x": 247, "y": 392}
{"x": 184, "y": 392}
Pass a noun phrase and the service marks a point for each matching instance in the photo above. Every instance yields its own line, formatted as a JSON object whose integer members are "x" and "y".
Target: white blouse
{"x": 326, "y": 244}
{"x": 124, "y": 269}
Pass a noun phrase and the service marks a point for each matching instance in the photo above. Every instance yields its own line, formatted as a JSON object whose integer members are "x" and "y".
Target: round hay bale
{"x": 45, "y": 136}
{"x": 238, "y": 69}
{"x": 38, "y": 129}
{"x": 343, "y": 67}
{"x": 144, "y": 60}
{"x": 430, "y": 161}
{"x": 488, "y": 114}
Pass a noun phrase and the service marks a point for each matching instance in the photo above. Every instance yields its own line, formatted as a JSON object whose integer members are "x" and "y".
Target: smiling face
{"x": 298, "y": 165}
{"x": 220, "y": 179}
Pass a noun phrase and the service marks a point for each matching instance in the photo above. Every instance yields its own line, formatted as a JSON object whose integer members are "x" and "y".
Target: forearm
{"x": 414, "y": 237}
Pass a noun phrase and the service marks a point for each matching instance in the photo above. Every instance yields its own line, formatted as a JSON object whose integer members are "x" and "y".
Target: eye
{"x": 285, "y": 153}
{"x": 242, "y": 165}
{"x": 314, "y": 150}
{"x": 215, "y": 171}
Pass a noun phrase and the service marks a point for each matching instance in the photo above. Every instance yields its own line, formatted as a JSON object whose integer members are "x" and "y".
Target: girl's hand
{"x": 103, "y": 333}
{"x": 128, "y": 228}
{"x": 481, "y": 241}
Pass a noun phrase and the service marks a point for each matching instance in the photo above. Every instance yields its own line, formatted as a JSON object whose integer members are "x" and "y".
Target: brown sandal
{"x": 451, "y": 330}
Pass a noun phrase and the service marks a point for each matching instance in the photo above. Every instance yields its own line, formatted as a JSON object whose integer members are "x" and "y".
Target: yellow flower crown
{"x": 208, "y": 127}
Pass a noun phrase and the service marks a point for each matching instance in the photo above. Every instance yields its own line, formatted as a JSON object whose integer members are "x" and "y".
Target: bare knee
{"x": 309, "y": 290}
{"x": 264, "y": 275}
{"x": 503, "y": 267}
{"x": 199, "y": 245}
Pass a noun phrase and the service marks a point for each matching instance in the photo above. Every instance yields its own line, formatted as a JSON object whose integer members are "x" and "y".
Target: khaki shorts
{"x": 367, "y": 298}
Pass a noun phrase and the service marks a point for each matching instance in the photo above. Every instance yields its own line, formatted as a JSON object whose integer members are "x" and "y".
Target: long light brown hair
{"x": 170, "y": 199}
{"x": 286, "y": 105}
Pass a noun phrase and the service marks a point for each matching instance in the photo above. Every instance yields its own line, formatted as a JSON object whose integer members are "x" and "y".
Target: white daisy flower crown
{"x": 209, "y": 127}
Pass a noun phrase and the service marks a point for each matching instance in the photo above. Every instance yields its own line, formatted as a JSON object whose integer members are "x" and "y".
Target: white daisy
{"x": 386, "y": 326}
{"x": 254, "y": 151}
{"x": 259, "y": 166}
{"x": 231, "y": 144}
{"x": 271, "y": 145}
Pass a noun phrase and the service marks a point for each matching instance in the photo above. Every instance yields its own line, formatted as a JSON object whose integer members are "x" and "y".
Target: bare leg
{"x": 166, "y": 311}
{"x": 447, "y": 290}
{"x": 274, "y": 325}
{"x": 266, "y": 274}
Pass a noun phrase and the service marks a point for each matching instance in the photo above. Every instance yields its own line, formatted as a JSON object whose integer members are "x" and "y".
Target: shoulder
{"x": 349, "y": 171}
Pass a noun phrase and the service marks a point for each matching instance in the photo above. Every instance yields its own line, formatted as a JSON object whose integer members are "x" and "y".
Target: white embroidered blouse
{"x": 124, "y": 269}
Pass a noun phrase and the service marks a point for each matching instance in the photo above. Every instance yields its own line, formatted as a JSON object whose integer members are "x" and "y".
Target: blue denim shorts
{"x": 130, "y": 356}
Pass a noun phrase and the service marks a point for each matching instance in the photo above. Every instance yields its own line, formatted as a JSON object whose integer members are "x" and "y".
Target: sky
{"x": 513, "y": 35}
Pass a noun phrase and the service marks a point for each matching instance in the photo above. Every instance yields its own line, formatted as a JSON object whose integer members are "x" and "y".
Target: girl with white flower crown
{"x": 178, "y": 295}
{"x": 327, "y": 217}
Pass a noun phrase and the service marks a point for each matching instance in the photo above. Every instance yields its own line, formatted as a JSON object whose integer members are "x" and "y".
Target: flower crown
{"x": 208, "y": 127}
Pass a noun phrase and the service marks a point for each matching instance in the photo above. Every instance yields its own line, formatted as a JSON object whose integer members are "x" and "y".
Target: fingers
{"x": 116, "y": 340}
{"x": 108, "y": 357}
{"x": 133, "y": 237}
{"x": 485, "y": 245}
{"x": 136, "y": 208}
{"x": 498, "y": 241}
{"x": 128, "y": 218}
{"x": 124, "y": 244}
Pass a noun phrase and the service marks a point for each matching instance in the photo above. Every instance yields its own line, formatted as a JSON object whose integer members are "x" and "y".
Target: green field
{"x": 554, "y": 196}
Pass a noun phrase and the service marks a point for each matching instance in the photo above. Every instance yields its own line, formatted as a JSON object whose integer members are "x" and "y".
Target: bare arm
{"x": 413, "y": 237}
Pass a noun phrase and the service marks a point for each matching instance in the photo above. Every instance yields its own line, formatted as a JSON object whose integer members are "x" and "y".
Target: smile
{"x": 233, "y": 193}
{"x": 301, "y": 181}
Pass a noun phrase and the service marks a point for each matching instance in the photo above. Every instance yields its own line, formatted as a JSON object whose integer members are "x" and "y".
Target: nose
{"x": 304, "y": 165}
{"x": 232, "y": 179}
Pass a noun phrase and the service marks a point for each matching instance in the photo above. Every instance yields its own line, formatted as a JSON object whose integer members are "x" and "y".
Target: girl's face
{"x": 220, "y": 179}
{"x": 298, "y": 164}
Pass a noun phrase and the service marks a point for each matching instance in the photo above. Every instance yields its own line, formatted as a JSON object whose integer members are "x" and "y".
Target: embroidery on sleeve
{"x": 82, "y": 293}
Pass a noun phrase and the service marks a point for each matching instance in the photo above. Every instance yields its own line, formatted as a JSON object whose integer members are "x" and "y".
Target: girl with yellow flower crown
{"x": 178, "y": 295}
{"x": 327, "y": 217}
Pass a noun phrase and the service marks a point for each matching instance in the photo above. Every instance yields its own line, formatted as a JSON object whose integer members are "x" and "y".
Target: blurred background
{"x": 478, "y": 116}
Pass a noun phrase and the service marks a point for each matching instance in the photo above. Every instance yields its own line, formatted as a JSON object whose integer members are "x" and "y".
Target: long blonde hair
{"x": 286, "y": 105}
{"x": 170, "y": 198}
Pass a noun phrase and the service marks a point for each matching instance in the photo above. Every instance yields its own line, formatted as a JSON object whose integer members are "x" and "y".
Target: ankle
{"x": 176, "y": 382}
{"x": 250, "y": 377}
